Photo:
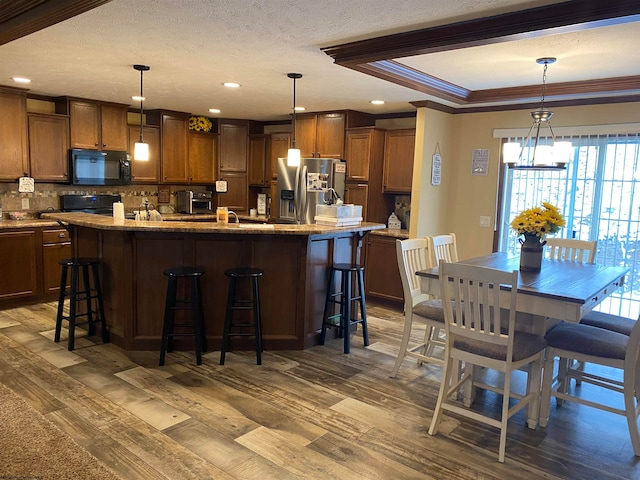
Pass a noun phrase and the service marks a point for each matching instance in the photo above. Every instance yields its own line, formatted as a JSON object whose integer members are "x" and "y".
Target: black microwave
{"x": 94, "y": 167}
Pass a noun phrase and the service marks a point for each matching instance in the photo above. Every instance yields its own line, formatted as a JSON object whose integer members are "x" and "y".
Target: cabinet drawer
{"x": 55, "y": 236}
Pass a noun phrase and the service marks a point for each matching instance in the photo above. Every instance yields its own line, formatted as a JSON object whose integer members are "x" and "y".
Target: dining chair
{"x": 472, "y": 303}
{"x": 412, "y": 255}
{"x": 442, "y": 247}
{"x": 571, "y": 249}
{"x": 593, "y": 345}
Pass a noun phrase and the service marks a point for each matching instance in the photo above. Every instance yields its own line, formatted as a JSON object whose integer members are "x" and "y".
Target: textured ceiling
{"x": 193, "y": 46}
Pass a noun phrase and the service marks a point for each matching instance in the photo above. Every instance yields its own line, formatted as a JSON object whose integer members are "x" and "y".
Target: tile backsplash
{"x": 47, "y": 195}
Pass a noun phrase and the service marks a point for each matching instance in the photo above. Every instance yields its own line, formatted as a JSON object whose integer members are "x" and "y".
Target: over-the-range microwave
{"x": 95, "y": 167}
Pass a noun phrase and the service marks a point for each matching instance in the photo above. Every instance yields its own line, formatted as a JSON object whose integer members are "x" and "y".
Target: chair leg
{"x": 445, "y": 382}
{"x": 547, "y": 384}
{"x": 61, "y": 295}
{"x": 169, "y": 315}
{"x": 631, "y": 410}
{"x": 363, "y": 308}
{"x": 227, "y": 320}
{"x": 195, "y": 305}
{"x": 257, "y": 320}
{"x": 504, "y": 418}
{"x": 98, "y": 288}
{"x": 345, "y": 319}
{"x": 327, "y": 307}
{"x": 89, "y": 304}
{"x": 408, "y": 321}
{"x": 73, "y": 294}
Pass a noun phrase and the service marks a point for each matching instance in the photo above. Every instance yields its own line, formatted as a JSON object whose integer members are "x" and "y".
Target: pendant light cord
{"x": 294, "y": 113}
{"x": 141, "y": 105}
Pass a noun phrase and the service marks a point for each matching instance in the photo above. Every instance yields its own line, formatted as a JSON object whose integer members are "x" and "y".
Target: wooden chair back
{"x": 571, "y": 249}
{"x": 442, "y": 247}
{"x": 412, "y": 256}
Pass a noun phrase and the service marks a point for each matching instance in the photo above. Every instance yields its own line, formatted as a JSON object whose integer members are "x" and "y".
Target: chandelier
{"x": 534, "y": 153}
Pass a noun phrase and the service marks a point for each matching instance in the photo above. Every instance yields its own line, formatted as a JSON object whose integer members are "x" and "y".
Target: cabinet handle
{"x": 95, "y": 144}
{"x": 61, "y": 235}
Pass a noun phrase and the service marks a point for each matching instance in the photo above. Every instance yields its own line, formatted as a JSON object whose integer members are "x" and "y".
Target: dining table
{"x": 562, "y": 290}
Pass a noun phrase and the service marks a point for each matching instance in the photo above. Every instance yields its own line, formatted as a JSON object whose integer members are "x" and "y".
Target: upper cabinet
{"x": 13, "y": 133}
{"x": 203, "y": 155}
{"x": 174, "y": 144}
{"x": 95, "y": 125}
{"x": 49, "y": 147}
{"x": 258, "y": 175}
{"x": 398, "y": 160}
{"x": 233, "y": 146}
{"x": 145, "y": 171}
{"x": 279, "y": 145}
{"x": 323, "y": 134}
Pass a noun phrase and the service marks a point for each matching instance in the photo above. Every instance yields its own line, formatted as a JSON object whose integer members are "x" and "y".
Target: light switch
{"x": 25, "y": 203}
{"x": 485, "y": 221}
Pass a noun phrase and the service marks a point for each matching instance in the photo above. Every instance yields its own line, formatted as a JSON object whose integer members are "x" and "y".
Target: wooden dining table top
{"x": 580, "y": 283}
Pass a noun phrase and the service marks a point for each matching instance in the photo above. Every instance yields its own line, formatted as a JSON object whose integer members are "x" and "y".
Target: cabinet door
{"x": 149, "y": 171}
{"x": 358, "y": 156}
{"x": 398, "y": 160}
{"x": 279, "y": 147}
{"x": 236, "y": 196}
{"x": 175, "y": 149}
{"x": 358, "y": 194}
{"x": 51, "y": 254}
{"x": 233, "y": 147}
{"x": 330, "y": 135}
{"x": 18, "y": 264}
{"x": 382, "y": 277}
{"x": 306, "y": 127}
{"x": 257, "y": 160}
{"x": 202, "y": 158}
{"x": 13, "y": 135}
{"x": 113, "y": 122}
{"x": 49, "y": 147}
{"x": 85, "y": 124}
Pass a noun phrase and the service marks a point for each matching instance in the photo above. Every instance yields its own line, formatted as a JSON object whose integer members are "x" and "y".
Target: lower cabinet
{"x": 29, "y": 264}
{"x": 382, "y": 277}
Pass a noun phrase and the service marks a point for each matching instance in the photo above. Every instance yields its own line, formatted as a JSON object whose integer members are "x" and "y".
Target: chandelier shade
{"x": 540, "y": 150}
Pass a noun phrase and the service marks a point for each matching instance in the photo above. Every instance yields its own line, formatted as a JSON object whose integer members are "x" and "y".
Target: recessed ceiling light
{"x": 21, "y": 80}
{"x": 214, "y": 110}
{"x": 377, "y": 102}
{"x": 231, "y": 84}
{"x": 137, "y": 98}
{"x": 300, "y": 109}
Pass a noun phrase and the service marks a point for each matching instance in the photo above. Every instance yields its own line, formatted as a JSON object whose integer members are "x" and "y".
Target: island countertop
{"x": 101, "y": 222}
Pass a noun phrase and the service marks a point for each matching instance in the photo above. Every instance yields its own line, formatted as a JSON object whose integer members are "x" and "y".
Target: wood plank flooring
{"x": 302, "y": 414}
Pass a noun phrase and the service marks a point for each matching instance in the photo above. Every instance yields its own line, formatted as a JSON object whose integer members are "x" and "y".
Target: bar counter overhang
{"x": 135, "y": 253}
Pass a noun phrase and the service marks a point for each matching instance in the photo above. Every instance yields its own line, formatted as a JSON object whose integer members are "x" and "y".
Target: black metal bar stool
{"x": 80, "y": 293}
{"x": 193, "y": 303}
{"x": 252, "y": 304}
{"x": 344, "y": 297}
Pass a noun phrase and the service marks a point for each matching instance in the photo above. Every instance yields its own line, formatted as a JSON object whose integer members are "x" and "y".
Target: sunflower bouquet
{"x": 538, "y": 221}
{"x": 199, "y": 124}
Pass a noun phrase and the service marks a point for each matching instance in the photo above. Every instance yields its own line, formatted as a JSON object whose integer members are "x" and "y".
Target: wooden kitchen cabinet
{"x": 398, "y": 160}
{"x": 56, "y": 245}
{"x": 95, "y": 125}
{"x": 278, "y": 148}
{"x": 382, "y": 276}
{"x": 257, "y": 169}
{"x": 13, "y": 133}
{"x": 236, "y": 197}
{"x": 149, "y": 171}
{"x": 174, "y": 145}
{"x": 364, "y": 157}
{"x": 320, "y": 135}
{"x": 49, "y": 147}
{"x": 18, "y": 262}
{"x": 233, "y": 146}
{"x": 203, "y": 155}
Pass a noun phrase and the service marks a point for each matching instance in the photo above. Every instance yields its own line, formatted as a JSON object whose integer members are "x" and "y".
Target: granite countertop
{"x": 387, "y": 232}
{"x": 109, "y": 223}
{"x": 27, "y": 223}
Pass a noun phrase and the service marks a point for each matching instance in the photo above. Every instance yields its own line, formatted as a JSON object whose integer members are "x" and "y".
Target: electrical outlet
{"x": 25, "y": 203}
{"x": 485, "y": 221}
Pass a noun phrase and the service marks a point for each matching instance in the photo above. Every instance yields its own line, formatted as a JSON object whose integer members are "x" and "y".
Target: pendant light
{"x": 141, "y": 149}
{"x": 293, "y": 155}
{"x": 538, "y": 157}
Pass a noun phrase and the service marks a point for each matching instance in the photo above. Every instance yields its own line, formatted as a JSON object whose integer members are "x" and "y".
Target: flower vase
{"x": 531, "y": 253}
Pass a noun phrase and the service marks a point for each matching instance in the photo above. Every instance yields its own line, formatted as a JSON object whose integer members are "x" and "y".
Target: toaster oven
{"x": 188, "y": 201}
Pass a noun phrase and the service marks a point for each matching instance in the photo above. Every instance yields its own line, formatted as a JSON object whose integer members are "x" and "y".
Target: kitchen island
{"x": 134, "y": 254}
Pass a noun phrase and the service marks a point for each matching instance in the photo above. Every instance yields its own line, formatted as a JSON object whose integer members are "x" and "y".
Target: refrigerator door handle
{"x": 303, "y": 195}
{"x": 296, "y": 197}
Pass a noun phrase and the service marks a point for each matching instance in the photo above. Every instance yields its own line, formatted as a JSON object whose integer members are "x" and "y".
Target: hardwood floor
{"x": 303, "y": 414}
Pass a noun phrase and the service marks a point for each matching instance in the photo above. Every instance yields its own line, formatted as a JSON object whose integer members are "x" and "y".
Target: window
{"x": 599, "y": 196}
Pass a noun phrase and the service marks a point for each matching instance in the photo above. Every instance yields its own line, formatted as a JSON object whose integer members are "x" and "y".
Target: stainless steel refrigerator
{"x": 301, "y": 188}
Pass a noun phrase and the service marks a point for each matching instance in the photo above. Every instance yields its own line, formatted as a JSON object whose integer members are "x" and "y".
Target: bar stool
{"x": 193, "y": 303}
{"x": 252, "y": 304}
{"x": 77, "y": 294}
{"x": 344, "y": 297}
